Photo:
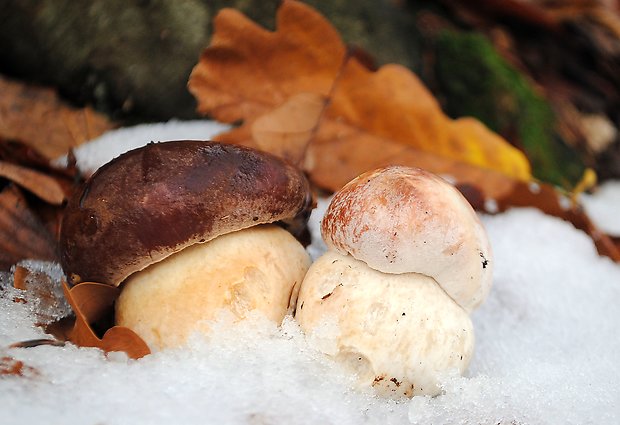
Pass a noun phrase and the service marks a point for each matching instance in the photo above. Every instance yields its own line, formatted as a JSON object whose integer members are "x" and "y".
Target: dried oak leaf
{"x": 286, "y": 130}
{"x": 370, "y": 118}
{"x": 22, "y": 233}
{"x": 42, "y": 185}
{"x": 388, "y": 117}
{"x": 18, "y": 153}
{"x": 36, "y": 116}
{"x": 549, "y": 200}
{"x": 247, "y": 71}
{"x": 93, "y": 306}
{"x": 33, "y": 214}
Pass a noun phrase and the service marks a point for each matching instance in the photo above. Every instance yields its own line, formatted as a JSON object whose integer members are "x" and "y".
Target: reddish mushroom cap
{"x": 156, "y": 200}
{"x": 406, "y": 220}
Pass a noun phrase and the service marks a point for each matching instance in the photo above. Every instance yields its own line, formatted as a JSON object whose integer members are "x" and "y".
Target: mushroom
{"x": 407, "y": 261}
{"x": 185, "y": 228}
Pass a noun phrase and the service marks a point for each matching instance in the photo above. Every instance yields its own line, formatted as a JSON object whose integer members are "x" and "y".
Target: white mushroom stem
{"x": 397, "y": 332}
{"x": 255, "y": 269}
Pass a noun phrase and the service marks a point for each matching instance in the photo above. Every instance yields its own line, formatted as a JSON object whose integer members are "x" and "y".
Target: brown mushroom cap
{"x": 156, "y": 200}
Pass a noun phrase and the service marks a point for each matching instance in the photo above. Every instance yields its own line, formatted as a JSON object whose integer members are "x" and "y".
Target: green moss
{"x": 476, "y": 81}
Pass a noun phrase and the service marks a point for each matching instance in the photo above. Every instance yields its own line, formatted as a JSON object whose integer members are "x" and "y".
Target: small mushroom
{"x": 408, "y": 259}
{"x": 184, "y": 226}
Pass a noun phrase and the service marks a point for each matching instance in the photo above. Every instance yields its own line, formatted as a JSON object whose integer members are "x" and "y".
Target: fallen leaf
{"x": 22, "y": 233}
{"x": 11, "y": 366}
{"x": 36, "y": 116}
{"x": 50, "y": 185}
{"x": 255, "y": 75}
{"x": 551, "y": 201}
{"x": 31, "y": 343}
{"x": 45, "y": 187}
{"x": 22, "y": 155}
{"x": 335, "y": 161}
{"x": 287, "y": 130}
{"x": 546, "y": 198}
{"x": 93, "y": 305}
{"x": 388, "y": 117}
{"x": 247, "y": 70}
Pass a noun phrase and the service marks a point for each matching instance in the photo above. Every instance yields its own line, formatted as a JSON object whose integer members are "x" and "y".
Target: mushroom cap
{"x": 258, "y": 269}
{"x": 159, "y": 199}
{"x": 406, "y": 220}
{"x": 397, "y": 332}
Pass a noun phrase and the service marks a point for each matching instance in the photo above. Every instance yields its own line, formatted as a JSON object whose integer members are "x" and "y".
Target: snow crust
{"x": 547, "y": 353}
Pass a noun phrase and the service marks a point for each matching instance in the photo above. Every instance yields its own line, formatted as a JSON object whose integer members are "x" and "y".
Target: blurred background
{"x": 542, "y": 73}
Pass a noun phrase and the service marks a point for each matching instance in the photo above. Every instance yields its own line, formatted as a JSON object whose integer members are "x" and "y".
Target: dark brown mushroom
{"x": 159, "y": 199}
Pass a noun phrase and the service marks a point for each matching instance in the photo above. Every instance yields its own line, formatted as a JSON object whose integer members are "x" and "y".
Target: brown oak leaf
{"x": 93, "y": 305}
{"x": 549, "y": 200}
{"x": 32, "y": 194}
{"x": 37, "y": 117}
{"x": 42, "y": 185}
{"x": 247, "y": 71}
{"x": 22, "y": 233}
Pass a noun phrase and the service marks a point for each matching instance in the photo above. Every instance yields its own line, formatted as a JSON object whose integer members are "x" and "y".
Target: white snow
{"x": 44, "y": 296}
{"x": 92, "y": 155}
{"x": 603, "y": 207}
{"x": 546, "y": 353}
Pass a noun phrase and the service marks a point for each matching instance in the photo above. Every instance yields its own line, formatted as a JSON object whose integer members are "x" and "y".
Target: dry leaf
{"x": 389, "y": 117}
{"x": 251, "y": 74}
{"x": 17, "y": 153}
{"x": 247, "y": 70}
{"x": 31, "y": 343}
{"x": 37, "y": 117}
{"x": 93, "y": 306}
{"x": 11, "y": 366}
{"x": 22, "y": 233}
{"x": 546, "y": 198}
{"x": 287, "y": 130}
{"x": 33, "y": 217}
{"x": 45, "y": 187}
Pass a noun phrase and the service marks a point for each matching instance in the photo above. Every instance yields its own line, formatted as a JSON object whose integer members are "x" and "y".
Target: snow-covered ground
{"x": 547, "y": 350}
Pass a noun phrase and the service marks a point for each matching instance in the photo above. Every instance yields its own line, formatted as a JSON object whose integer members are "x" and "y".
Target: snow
{"x": 603, "y": 207}
{"x": 44, "y": 296}
{"x": 94, "y": 154}
{"x": 546, "y": 353}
